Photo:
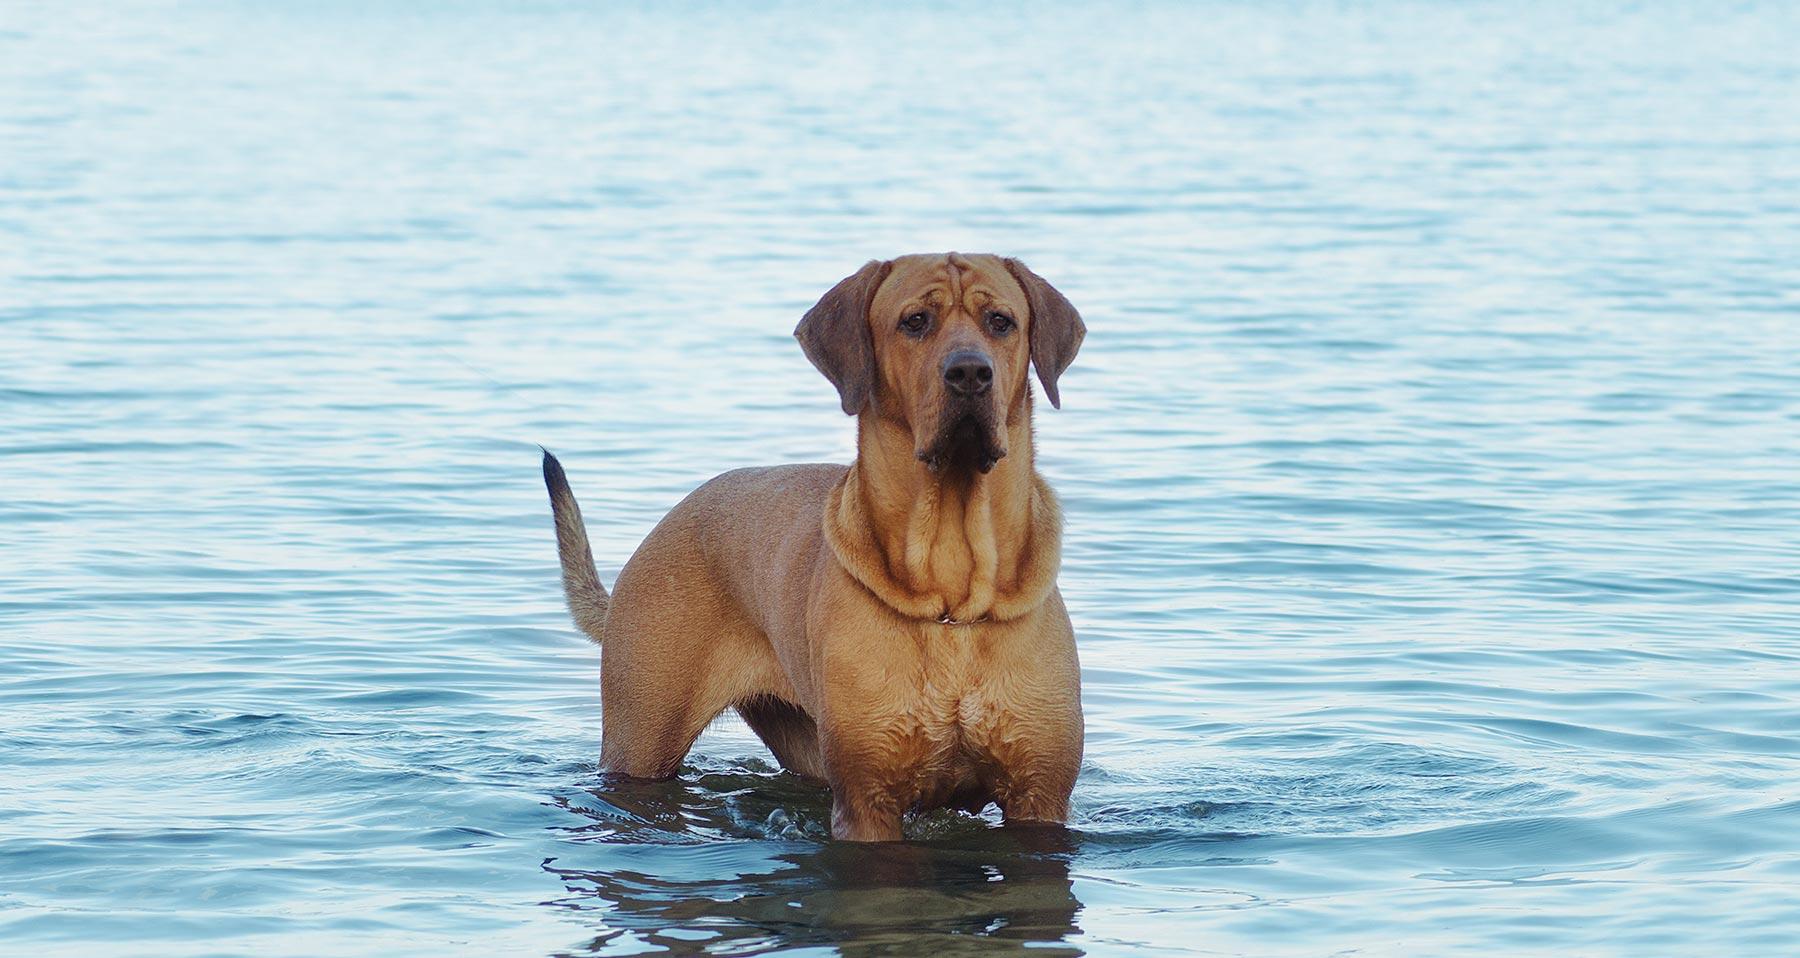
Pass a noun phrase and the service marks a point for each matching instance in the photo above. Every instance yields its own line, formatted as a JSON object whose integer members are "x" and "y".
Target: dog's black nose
{"x": 968, "y": 372}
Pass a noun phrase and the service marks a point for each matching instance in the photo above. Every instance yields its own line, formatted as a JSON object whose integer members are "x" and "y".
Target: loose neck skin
{"x": 956, "y": 542}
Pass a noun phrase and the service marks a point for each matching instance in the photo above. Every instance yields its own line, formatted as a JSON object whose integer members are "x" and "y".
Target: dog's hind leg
{"x": 789, "y": 733}
{"x": 678, "y": 652}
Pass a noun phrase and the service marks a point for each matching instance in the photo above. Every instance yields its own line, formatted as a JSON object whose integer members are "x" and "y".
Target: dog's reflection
{"x": 983, "y": 890}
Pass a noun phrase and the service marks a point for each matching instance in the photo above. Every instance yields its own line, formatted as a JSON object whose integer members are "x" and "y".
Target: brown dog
{"x": 892, "y": 628}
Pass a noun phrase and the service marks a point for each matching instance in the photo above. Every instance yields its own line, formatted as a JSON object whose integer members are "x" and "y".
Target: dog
{"x": 893, "y": 628}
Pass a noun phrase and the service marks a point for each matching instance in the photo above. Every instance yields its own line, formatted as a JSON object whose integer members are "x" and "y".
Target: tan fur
{"x": 811, "y": 598}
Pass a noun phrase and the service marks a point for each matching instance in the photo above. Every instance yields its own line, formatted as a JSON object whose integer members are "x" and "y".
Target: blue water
{"x": 1430, "y": 468}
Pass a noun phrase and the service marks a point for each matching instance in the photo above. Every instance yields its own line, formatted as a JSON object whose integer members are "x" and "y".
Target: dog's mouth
{"x": 967, "y": 442}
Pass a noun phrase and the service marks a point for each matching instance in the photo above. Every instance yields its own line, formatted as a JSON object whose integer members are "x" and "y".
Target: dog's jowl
{"x": 892, "y": 628}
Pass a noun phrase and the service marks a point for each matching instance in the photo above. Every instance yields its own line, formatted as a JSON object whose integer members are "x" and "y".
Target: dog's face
{"x": 949, "y": 335}
{"x": 941, "y": 344}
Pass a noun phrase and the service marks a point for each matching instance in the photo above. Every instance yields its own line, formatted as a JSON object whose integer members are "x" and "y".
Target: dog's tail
{"x": 588, "y": 600}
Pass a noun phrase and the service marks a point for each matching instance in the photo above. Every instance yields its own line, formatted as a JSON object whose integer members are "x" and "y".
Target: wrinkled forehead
{"x": 940, "y": 280}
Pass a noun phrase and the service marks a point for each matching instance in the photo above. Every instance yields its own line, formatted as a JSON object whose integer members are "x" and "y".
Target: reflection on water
{"x": 1429, "y": 467}
{"x": 744, "y": 886}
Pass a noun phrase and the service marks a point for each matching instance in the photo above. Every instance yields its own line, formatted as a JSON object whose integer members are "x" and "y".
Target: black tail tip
{"x": 553, "y": 472}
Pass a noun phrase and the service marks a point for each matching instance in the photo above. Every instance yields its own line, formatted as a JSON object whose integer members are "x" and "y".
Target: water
{"x": 1430, "y": 467}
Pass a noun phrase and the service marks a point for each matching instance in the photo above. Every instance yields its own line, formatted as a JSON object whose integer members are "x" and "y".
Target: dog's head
{"x": 941, "y": 345}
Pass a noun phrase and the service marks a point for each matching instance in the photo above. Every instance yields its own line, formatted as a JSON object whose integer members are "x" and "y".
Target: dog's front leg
{"x": 867, "y": 707}
{"x": 1043, "y": 802}
{"x": 861, "y": 815}
{"x": 865, "y": 806}
{"x": 1037, "y": 754}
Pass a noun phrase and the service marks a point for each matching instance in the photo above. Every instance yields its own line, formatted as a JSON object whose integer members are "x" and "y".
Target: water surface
{"x": 1430, "y": 469}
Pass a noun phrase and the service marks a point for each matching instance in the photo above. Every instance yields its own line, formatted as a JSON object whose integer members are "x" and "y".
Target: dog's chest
{"x": 958, "y": 712}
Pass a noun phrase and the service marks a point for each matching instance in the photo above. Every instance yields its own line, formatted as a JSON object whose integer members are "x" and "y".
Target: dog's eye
{"x": 1000, "y": 323}
{"x": 915, "y": 323}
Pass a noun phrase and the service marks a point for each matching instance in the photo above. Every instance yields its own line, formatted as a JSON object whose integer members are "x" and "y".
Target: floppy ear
{"x": 1056, "y": 328}
{"x": 835, "y": 335}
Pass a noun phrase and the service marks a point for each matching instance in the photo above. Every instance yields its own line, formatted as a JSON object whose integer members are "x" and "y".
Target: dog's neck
{"x": 955, "y": 545}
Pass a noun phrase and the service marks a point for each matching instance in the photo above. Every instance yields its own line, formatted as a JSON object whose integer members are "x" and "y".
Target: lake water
{"x": 1431, "y": 466}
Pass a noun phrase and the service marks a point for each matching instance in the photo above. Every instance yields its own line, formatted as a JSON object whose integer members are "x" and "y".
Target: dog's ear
{"x": 835, "y": 334}
{"x": 1056, "y": 328}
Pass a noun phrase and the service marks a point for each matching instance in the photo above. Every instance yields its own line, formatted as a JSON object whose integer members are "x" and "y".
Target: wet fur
{"x": 810, "y": 598}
